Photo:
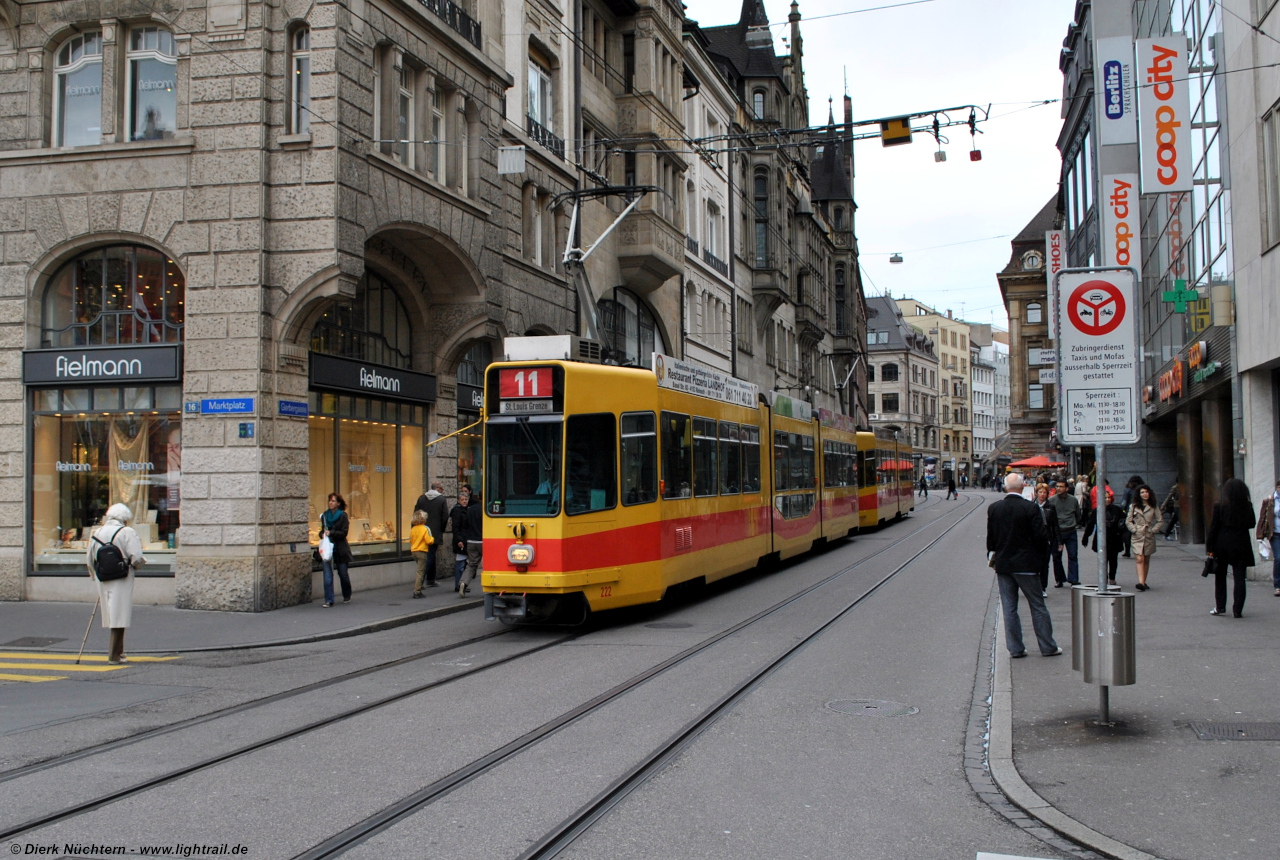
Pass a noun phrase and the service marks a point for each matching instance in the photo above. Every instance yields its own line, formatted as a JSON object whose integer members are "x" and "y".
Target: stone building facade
{"x": 902, "y": 382}
{"x": 954, "y": 389}
{"x": 256, "y": 254}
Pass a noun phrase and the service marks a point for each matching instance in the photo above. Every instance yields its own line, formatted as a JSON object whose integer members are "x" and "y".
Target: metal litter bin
{"x": 1109, "y": 652}
{"x": 1077, "y": 623}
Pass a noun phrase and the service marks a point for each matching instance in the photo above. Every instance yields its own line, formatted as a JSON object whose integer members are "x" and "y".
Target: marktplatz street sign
{"x": 1098, "y": 349}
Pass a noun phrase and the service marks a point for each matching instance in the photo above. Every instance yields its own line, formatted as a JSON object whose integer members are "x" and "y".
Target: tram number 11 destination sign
{"x": 1098, "y": 381}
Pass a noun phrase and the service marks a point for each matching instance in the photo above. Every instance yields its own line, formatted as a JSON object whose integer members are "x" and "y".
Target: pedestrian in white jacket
{"x": 116, "y": 596}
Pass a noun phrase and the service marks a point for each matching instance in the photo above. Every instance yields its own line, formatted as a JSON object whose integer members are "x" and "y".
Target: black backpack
{"x": 109, "y": 562}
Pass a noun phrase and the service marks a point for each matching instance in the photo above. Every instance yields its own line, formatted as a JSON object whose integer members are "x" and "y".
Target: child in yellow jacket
{"x": 420, "y": 541}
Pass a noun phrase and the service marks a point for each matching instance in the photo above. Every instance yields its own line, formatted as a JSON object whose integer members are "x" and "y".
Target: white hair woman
{"x": 116, "y": 595}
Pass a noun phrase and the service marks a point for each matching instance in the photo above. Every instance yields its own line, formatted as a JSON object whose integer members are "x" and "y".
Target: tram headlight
{"x": 520, "y": 553}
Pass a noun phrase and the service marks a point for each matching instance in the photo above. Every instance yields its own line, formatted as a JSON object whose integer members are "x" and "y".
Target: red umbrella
{"x": 1040, "y": 460}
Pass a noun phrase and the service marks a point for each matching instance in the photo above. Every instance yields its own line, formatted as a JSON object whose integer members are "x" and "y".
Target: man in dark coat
{"x": 951, "y": 489}
{"x": 1018, "y": 547}
{"x": 458, "y": 524}
{"x": 474, "y": 532}
{"x": 436, "y": 508}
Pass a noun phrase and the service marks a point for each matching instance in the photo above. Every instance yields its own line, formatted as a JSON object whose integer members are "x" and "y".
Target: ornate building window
{"x": 301, "y": 85}
{"x": 77, "y": 92}
{"x": 121, "y": 294}
{"x": 152, "y": 65}
{"x": 373, "y": 326}
{"x": 628, "y": 329}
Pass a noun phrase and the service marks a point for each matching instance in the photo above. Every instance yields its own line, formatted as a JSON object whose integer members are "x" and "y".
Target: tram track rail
{"x": 391, "y": 815}
{"x": 569, "y": 830}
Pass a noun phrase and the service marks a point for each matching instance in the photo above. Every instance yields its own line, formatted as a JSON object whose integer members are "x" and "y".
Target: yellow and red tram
{"x": 606, "y": 486}
{"x": 887, "y": 478}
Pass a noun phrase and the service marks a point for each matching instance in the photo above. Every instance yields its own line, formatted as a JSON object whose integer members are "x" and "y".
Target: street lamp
{"x": 895, "y": 258}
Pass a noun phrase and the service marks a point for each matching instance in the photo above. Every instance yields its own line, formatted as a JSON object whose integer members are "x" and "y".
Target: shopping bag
{"x": 1264, "y": 548}
{"x": 326, "y": 548}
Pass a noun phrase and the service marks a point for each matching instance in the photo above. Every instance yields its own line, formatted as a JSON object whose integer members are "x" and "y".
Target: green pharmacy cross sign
{"x": 1180, "y": 295}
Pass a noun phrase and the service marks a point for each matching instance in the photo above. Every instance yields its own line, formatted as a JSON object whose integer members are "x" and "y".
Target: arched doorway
{"x": 367, "y": 415}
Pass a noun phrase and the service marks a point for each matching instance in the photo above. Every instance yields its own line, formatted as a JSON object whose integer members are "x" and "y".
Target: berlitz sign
{"x": 374, "y": 380}
{"x": 128, "y": 364}
{"x": 1117, "y": 115}
{"x": 1164, "y": 112}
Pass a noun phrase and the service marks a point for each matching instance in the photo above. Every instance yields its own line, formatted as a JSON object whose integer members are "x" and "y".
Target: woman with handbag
{"x": 334, "y": 525}
{"x": 1114, "y": 524}
{"x": 1230, "y": 545}
{"x": 115, "y": 540}
{"x": 1142, "y": 525}
{"x": 1268, "y": 534}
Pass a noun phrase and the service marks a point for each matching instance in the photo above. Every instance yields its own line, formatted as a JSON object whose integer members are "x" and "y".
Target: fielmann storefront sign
{"x": 372, "y": 380}
{"x": 88, "y": 365}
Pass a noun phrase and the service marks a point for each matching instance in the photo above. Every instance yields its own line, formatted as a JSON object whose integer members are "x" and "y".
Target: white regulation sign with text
{"x": 1098, "y": 372}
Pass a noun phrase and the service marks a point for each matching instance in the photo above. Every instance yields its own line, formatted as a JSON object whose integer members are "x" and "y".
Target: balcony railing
{"x": 544, "y": 137}
{"x": 692, "y": 244}
{"x": 460, "y": 21}
{"x": 715, "y": 262}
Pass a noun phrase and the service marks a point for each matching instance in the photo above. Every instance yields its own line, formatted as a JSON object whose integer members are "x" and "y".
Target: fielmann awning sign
{"x": 125, "y": 365}
{"x": 1098, "y": 349}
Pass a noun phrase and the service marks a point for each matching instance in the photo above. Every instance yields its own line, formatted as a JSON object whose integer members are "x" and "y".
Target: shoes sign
{"x": 1098, "y": 371}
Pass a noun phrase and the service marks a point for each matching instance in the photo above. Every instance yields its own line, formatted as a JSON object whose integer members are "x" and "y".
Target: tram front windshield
{"x": 522, "y": 475}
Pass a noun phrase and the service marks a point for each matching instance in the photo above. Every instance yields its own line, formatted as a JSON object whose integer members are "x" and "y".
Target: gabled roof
{"x": 888, "y": 317}
{"x": 1032, "y": 235}
{"x": 747, "y": 46}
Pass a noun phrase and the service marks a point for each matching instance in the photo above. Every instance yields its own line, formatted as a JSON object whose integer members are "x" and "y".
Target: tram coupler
{"x": 503, "y": 606}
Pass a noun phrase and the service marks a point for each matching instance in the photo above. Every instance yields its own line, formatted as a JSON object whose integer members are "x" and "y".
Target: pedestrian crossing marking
{"x": 4, "y": 676}
{"x": 64, "y": 667}
{"x": 89, "y": 658}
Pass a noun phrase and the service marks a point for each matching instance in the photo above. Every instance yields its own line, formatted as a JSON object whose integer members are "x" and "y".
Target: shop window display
{"x": 127, "y": 450}
{"x": 370, "y": 451}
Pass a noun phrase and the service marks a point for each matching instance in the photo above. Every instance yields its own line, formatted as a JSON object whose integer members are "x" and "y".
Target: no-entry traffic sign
{"x": 1098, "y": 349}
{"x": 1096, "y": 308}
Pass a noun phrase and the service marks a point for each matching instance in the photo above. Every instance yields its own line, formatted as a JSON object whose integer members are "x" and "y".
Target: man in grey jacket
{"x": 1067, "y": 510}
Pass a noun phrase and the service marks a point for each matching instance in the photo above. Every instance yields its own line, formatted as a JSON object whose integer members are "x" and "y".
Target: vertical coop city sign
{"x": 1098, "y": 348}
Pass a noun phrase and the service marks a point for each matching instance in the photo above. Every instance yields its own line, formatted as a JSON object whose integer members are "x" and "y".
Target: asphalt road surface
{"x": 820, "y": 709}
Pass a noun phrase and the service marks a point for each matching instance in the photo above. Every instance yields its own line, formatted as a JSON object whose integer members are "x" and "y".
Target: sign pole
{"x": 1100, "y": 529}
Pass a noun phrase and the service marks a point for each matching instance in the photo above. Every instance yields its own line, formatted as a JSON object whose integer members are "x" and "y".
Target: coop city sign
{"x": 1121, "y": 238}
{"x": 1164, "y": 112}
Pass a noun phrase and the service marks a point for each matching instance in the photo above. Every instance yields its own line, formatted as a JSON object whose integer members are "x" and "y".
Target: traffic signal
{"x": 895, "y": 132}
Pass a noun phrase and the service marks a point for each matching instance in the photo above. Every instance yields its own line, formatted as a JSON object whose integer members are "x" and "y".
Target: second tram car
{"x": 887, "y": 471}
{"x": 606, "y": 486}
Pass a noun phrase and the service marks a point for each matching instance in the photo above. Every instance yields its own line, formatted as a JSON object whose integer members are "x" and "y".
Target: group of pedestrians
{"x": 427, "y": 526}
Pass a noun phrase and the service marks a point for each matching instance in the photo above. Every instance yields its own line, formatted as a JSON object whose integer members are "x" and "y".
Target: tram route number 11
{"x": 524, "y": 382}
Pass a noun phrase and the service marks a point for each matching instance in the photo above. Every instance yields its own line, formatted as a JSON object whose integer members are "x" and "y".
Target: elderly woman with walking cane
{"x": 115, "y": 543}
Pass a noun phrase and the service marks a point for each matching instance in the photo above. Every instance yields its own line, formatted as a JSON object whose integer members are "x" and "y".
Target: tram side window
{"x": 677, "y": 456}
{"x": 590, "y": 467}
{"x": 801, "y": 461}
{"x": 886, "y": 458}
{"x": 851, "y": 463}
{"x": 781, "y": 462}
{"x": 704, "y": 457}
{"x": 639, "y": 458}
{"x": 830, "y": 464}
{"x": 868, "y": 468}
{"x": 750, "y": 458}
{"x": 730, "y": 459}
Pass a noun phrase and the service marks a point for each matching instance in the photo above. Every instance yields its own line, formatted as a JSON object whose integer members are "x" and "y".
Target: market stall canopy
{"x": 1039, "y": 460}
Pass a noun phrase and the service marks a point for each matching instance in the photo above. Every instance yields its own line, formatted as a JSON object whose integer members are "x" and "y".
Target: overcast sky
{"x": 933, "y": 55}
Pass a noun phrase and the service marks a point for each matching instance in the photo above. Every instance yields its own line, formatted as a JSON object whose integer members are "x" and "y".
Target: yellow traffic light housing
{"x": 895, "y": 132}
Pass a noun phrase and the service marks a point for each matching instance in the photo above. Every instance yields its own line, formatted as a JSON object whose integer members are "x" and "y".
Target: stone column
{"x": 112, "y": 74}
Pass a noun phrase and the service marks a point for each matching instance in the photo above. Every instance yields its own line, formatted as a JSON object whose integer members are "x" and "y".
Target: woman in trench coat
{"x": 116, "y": 596}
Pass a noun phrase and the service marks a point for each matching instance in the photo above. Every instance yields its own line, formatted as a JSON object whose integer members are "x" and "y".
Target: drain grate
{"x": 669, "y": 625}
{"x": 871, "y": 708}
{"x": 1236, "y": 731}
{"x": 33, "y": 642}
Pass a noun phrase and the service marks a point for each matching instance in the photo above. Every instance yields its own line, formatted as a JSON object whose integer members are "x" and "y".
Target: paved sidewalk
{"x": 1148, "y": 782}
{"x": 164, "y": 629}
